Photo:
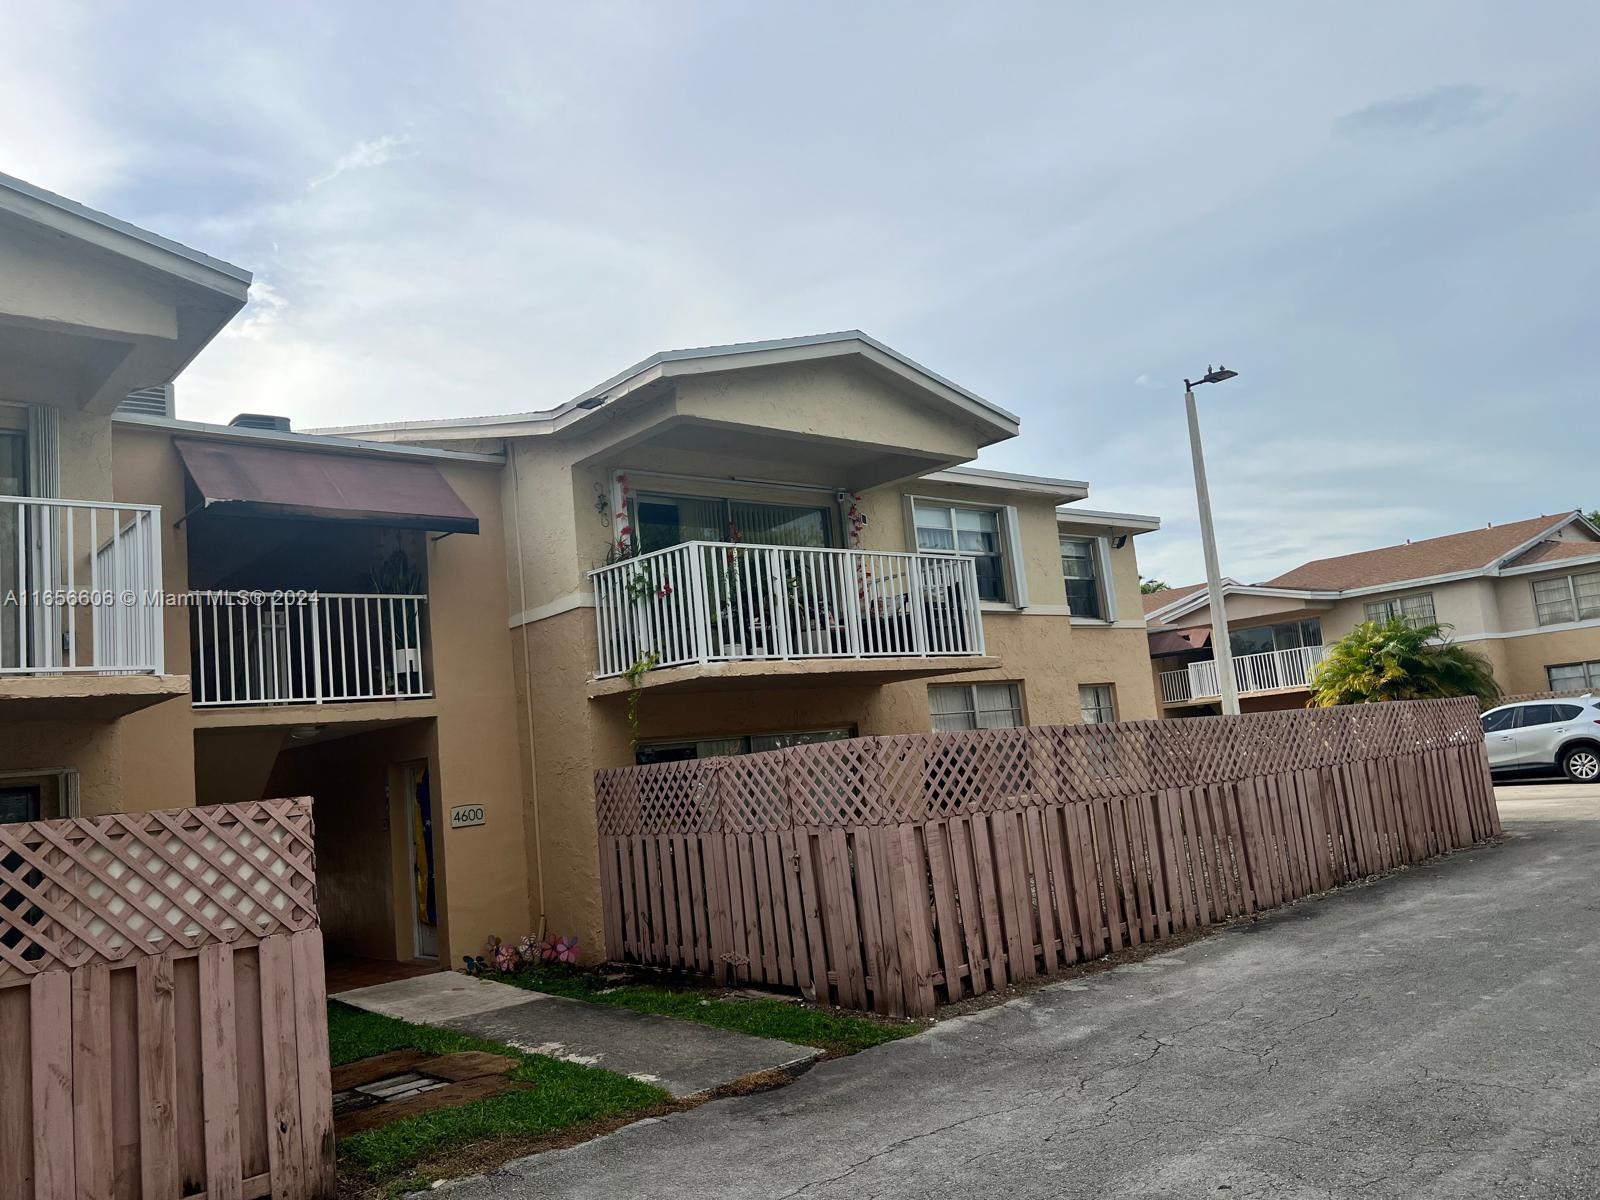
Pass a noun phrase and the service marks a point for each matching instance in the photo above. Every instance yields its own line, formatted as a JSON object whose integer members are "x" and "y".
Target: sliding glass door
{"x": 663, "y": 520}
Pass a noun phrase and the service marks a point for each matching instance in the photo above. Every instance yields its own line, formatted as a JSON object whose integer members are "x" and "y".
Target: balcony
{"x": 723, "y": 602}
{"x": 80, "y": 608}
{"x": 291, "y": 648}
{"x": 1269, "y": 671}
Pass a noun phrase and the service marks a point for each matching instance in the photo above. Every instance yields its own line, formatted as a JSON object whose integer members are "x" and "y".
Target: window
{"x": 1569, "y": 598}
{"x": 655, "y": 752}
{"x": 974, "y": 532}
{"x": 1099, "y": 703}
{"x": 1574, "y": 677}
{"x": 1080, "y": 567}
{"x": 1530, "y": 715}
{"x": 662, "y": 521}
{"x": 1499, "y": 720}
{"x": 1567, "y": 712}
{"x": 975, "y": 706}
{"x": 1415, "y": 610}
{"x": 1286, "y": 635}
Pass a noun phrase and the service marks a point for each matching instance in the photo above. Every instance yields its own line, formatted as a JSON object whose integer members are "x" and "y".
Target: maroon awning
{"x": 1178, "y": 641}
{"x": 272, "y": 481}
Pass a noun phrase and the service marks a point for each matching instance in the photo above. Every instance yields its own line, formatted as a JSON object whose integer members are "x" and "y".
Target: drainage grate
{"x": 385, "y": 1091}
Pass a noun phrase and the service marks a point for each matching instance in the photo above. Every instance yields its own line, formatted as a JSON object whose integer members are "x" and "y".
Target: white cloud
{"x": 366, "y": 155}
{"x": 1409, "y": 314}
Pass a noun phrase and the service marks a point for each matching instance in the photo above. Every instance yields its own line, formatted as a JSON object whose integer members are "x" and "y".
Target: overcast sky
{"x": 1384, "y": 216}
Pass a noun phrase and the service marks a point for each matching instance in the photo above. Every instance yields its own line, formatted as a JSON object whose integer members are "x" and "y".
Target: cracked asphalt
{"x": 1431, "y": 1034}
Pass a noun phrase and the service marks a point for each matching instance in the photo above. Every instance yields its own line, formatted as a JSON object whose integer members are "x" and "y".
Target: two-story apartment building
{"x": 194, "y": 614}
{"x": 440, "y": 630}
{"x": 743, "y": 547}
{"x": 1525, "y": 594}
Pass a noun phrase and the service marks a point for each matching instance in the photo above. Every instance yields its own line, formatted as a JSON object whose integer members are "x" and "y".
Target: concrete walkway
{"x": 682, "y": 1057}
{"x": 1431, "y": 1035}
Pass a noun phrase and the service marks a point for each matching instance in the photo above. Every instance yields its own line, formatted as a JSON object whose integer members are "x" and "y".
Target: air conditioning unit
{"x": 149, "y": 401}
{"x": 260, "y": 421}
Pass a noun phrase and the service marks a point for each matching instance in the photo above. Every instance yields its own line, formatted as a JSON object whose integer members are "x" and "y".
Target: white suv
{"x": 1540, "y": 736}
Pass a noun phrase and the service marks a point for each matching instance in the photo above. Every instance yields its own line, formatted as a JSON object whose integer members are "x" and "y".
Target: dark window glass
{"x": 1080, "y": 570}
{"x": 1567, "y": 712}
{"x": 1251, "y": 641}
{"x": 1499, "y": 720}
{"x": 1536, "y": 714}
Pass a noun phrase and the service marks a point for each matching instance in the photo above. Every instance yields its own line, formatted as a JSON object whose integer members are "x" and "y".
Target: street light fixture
{"x": 1221, "y": 649}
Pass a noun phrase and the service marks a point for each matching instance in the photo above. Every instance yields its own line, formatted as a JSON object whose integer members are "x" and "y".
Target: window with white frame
{"x": 1099, "y": 703}
{"x": 957, "y": 706}
{"x": 977, "y": 533}
{"x": 1081, "y": 561}
{"x": 1567, "y": 598}
{"x": 1574, "y": 677}
{"x": 1416, "y": 610}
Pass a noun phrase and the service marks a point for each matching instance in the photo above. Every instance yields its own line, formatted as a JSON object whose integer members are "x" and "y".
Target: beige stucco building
{"x": 137, "y": 670}
{"x": 1525, "y": 594}
{"x": 761, "y": 544}
{"x": 441, "y": 630}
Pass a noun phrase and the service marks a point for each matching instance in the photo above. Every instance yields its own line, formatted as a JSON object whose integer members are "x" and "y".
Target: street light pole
{"x": 1221, "y": 648}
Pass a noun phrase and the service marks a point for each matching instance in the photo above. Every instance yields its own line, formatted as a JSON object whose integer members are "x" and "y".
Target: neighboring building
{"x": 390, "y": 698}
{"x": 802, "y": 556}
{"x": 1526, "y": 595}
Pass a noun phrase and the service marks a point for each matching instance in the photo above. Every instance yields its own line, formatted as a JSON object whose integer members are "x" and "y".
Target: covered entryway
{"x": 380, "y": 879}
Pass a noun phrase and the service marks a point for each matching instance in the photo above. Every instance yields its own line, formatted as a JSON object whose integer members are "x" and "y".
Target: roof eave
{"x": 81, "y": 223}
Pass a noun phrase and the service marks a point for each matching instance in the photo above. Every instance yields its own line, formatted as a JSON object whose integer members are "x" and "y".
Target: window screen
{"x": 1080, "y": 569}
{"x": 974, "y": 706}
{"x": 974, "y": 532}
{"x": 1098, "y": 702}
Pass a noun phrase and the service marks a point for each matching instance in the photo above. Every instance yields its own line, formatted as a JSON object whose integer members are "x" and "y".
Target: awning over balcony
{"x": 1164, "y": 642}
{"x": 269, "y": 481}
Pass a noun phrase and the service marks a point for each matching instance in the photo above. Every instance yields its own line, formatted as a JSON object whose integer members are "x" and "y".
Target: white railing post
{"x": 709, "y": 601}
{"x": 315, "y": 605}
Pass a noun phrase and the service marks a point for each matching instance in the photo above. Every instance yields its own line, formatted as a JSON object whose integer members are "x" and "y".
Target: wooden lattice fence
{"x": 899, "y": 873}
{"x": 162, "y": 1023}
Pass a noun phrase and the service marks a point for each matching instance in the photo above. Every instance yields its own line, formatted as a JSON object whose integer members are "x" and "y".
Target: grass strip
{"x": 564, "y": 1095}
{"x": 803, "y": 1024}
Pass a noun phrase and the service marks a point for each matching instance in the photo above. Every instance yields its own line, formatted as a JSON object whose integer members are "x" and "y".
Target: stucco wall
{"x": 93, "y": 750}
{"x": 1522, "y": 660}
{"x": 478, "y": 746}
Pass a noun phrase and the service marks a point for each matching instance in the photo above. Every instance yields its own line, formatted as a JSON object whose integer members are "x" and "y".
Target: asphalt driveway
{"x": 1434, "y": 1034}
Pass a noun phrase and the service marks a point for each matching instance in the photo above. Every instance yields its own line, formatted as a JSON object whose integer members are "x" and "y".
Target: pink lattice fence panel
{"x": 162, "y": 996}
{"x": 896, "y": 873}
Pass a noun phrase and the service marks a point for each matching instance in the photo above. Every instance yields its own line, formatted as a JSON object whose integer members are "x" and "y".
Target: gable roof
{"x": 24, "y": 201}
{"x": 1473, "y": 550}
{"x": 1553, "y": 551}
{"x": 1171, "y": 595}
{"x": 997, "y": 423}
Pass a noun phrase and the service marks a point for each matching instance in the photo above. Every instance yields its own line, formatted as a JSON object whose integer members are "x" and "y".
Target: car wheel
{"x": 1581, "y": 764}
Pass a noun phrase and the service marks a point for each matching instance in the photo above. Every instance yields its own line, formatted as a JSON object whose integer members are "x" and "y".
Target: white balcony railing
{"x": 80, "y": 587}
{"x": 1269, "y": 671}
{"x": 725, "y": 602}
{"x": 307, "y": 648}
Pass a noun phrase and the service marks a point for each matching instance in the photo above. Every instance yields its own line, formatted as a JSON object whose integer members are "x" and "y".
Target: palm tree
{"x": 1399, "y": 661}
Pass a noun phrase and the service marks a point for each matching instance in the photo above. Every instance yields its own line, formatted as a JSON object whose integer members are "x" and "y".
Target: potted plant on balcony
{"x": 395, "y": 575}
{"x": 813, "y": 625}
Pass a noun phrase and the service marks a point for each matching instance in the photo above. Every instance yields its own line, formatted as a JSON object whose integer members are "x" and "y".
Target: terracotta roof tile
{"x": 1416, "y": 560}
